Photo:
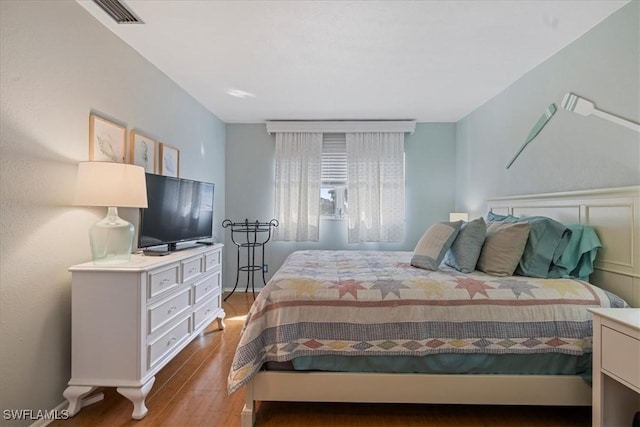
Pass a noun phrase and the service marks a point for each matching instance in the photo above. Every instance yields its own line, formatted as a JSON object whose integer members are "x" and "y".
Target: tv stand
{"x": 129, "y": 320}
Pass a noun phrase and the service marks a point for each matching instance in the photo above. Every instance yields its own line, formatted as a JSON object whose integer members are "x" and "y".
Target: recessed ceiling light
{"x": 240, "y": 93}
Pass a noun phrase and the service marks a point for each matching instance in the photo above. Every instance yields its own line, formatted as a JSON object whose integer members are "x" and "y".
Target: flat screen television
{"x": 179, "y": 210}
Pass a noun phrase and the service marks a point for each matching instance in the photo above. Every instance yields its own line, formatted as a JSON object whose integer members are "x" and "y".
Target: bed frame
{"x": 614, "y": 213}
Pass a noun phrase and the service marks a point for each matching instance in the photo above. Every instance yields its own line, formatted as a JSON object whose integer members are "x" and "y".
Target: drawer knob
{"x": 193, "y": 270}
{"x": 172, "y": 309}
{"x": 164, "y": 282}
{"x": 171, "y": 341}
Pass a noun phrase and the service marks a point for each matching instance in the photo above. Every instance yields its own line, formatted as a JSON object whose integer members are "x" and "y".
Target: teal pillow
{"x": 465, "y": 250}
{"x": 506, "y": 218}
{"x": 434, "y": 244}
{"x": 547, "y": 241}
{"x": 577, "y": 259}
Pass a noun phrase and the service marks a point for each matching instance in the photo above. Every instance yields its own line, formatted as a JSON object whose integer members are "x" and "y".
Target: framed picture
{"x": 142, "y": 151}
{"x": 169, "y": 160}
{"x": 107, "y": 140}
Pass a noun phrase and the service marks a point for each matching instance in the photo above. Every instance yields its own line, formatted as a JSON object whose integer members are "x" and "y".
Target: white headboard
{"x": 615, "y": 215}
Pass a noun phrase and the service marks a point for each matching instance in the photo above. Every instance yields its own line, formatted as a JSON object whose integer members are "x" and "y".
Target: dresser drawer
{"x": 192, "y": 268}
{"x": 212, "y": 260}
{"x": 620, "y": 355}
{"x": 206, "y": 311}
{"x": 161, "y": 313}
{"x": 157, "y": 349}
{"x": 207, "y": 287}
{"x": 163, "y": 280}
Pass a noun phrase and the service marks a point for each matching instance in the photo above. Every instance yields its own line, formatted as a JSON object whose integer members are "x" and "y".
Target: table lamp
{"x": 111, "y": 185}
{"x": 458, "y": 216}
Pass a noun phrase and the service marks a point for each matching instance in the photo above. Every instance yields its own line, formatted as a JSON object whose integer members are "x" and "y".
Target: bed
{"x": 381, "y": 309}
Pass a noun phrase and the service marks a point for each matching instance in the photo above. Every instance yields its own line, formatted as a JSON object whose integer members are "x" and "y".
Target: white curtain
{"x": 375, "y": 186}
{"x": 297, "y": 204}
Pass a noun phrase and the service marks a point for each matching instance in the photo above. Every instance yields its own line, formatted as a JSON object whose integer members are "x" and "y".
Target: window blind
{"x": 334, "y": 159}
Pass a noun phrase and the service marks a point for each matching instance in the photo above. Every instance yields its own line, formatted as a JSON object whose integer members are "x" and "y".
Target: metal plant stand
{"x": 250, "y": 235}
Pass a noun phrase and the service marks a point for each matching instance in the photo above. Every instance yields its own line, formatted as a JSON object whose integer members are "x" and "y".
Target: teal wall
{"x": 58, "y": 65}
{"x": 572, "y": 152}
{"x": 250, "y": 171}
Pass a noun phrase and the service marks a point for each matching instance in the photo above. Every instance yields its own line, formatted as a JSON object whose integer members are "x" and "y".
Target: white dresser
{"x": 129, "y": 320}
{"x": 616, "y": 366}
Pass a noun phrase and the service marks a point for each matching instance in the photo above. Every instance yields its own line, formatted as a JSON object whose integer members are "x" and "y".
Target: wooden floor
{"x": 191, "y": 391}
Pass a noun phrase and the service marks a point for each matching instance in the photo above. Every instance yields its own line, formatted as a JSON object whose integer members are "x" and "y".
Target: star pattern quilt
{"x": 375, "y": 303}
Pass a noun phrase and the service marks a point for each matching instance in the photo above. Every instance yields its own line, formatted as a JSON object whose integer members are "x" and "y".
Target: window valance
{"x": 341, "y": 126}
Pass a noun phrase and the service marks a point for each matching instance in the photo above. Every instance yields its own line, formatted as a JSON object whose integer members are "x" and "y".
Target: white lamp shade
{"x": 458, "y": 216}
{"x": 110, "y": 184}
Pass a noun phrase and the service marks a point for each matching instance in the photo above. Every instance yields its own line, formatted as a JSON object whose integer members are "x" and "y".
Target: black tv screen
{"x": 179, "y": 210}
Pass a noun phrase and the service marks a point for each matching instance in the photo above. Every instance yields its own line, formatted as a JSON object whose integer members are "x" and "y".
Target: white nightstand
{"x": 616, "y": 365}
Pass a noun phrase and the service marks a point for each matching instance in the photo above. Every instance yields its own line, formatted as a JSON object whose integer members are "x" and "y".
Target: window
{"x": 312, "y": 159}
{"x": 333, "y": 190}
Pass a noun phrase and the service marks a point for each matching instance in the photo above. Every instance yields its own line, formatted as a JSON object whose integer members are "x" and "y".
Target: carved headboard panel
{"x": 615, "y": 215}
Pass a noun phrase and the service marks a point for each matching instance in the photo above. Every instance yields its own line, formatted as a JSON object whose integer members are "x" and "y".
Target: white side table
{"x": 616, "y": 365}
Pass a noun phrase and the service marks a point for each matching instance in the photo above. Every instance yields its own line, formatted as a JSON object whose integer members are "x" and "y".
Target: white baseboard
{"x": 89, "y": 400}
{"x": 57, "y": 409}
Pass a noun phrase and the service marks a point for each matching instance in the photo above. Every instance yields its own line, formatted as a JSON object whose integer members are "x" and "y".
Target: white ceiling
{"x": 433, "y": 61}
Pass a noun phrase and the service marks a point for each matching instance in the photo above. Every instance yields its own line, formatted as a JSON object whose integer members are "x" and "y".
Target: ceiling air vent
{"x": 118, "y": 11}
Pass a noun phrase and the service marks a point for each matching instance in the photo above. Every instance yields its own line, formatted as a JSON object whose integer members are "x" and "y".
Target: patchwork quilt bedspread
{"x": 375, "y": 303}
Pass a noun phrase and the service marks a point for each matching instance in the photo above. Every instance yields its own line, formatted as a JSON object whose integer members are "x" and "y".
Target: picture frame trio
{"x": 108, "y": 141}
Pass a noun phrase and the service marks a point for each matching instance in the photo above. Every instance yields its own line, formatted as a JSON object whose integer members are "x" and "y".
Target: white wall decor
{"x": 572, "y": 102}
{"x": 107, "y": 140}
{"x": 143, "y": 151}
{"x": 542, "y": 121}
{"x": 169, "y": 160}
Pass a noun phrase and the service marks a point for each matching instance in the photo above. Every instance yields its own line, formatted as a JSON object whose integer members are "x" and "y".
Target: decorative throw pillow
{"x": 503, "y": 247}
{"x": 547, "y": 240}
{"x": 434, "y": 243}
{"x": 465, "y": 250}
